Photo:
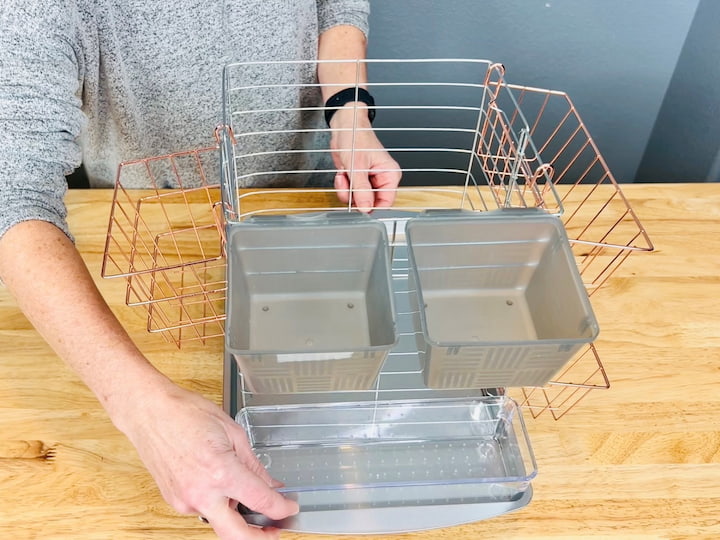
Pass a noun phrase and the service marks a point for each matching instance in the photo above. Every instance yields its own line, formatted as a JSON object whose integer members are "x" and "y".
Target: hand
{"x": 198, "y": 456}
{"x": 203, "y": 464}
{"x": 370, "y": 166}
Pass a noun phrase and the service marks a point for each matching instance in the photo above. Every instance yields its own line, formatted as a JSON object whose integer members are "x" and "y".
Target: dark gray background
{"x": 644, "y": 74}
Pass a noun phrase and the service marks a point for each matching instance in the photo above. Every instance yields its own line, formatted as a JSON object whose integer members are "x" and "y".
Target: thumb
{"x": 229, "y": 525}
{"x": 258, "y": 496}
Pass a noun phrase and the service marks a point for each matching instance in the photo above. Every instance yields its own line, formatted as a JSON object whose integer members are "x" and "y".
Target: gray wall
{"x": 615, "y": 58}
{"x": 685, "y": 143}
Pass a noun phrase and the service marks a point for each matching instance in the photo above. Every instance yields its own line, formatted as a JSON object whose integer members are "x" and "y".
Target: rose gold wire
{"x": 157, "y": 270}
{"x": 572, "y": 111}
{"x": 194, "y": 227}
{"x": 138, "y": 218}
{"x": 588, "y": 260}
{"x": 497, "y": 125}
{"x": 569, "y": 390}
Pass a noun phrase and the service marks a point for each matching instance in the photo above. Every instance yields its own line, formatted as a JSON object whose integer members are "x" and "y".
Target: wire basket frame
{"x": 165, "y": 242}
{"x": 603, "y": 228}
{"x": 486, "y": 144}
{"x": 444, "y": 131}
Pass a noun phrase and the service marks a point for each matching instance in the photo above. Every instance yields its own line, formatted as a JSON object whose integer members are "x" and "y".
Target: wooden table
{"x": 641, "y": 460}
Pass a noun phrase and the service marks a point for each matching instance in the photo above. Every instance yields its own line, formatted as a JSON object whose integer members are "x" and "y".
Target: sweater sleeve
{"x": 40, "y": 110}
{"x": 336, "y": 12}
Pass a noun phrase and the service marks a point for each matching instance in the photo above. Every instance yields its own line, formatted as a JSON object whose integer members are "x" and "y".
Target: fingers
{"x": 251, "y": 484}
{"x": 342, "y": 187}
{"x": 384, "y": 199}
{"x": 385, "y": 182}
{"x": 255, "y": 494}
{"x": 367, "y": 174}
{"x": 354, "y": 185}
{"x": 362, "y": 194}
{"x": 259, "y": 497}
{"x": 242, "y": 449}
{"x": 376, "y": 190}
{"x": 229, "y": 524}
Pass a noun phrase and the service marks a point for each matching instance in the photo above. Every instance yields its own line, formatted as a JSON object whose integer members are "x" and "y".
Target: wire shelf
{"x": 483, "y": 144}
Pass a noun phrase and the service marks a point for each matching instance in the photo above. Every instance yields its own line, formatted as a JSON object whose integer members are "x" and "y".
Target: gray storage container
{"x": 499, "y": 300}
{"x": 309, "y": 304}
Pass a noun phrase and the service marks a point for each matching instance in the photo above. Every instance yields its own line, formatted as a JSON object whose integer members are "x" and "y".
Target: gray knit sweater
{"x": 105, "y": 81}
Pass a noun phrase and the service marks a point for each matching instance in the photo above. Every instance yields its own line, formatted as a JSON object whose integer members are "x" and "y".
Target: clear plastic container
{"x": 498, "y": 300}
{"x": 371, "y": 453}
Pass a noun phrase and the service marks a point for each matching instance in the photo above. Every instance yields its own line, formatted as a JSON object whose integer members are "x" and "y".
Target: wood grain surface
{"x": 639, "y": 461}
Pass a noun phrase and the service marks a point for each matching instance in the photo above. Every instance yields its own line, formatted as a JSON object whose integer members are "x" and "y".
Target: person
{"x": 103, "y": 81}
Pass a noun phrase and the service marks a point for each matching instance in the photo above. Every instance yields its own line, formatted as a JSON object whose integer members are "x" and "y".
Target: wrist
{"x": 354, "y": 113}
{"x": 134, "y": 393}
{"x": 355, "y": 97}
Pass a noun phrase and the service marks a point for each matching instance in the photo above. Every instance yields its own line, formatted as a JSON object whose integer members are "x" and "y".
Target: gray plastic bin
{"x": 498, "y": 300}
{"x": 309, "y": 305}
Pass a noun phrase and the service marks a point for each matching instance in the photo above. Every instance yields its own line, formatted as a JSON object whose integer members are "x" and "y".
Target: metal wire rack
{"x": 462, "y": 138}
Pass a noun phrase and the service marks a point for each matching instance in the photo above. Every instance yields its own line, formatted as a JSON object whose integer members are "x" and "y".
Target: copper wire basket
{"x": 517, "y": 147}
